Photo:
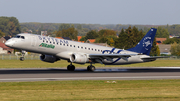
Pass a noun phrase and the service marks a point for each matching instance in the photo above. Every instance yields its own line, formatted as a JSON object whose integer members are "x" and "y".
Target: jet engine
{"x": 48, "y": 58}
{"x": 78, "y": 58}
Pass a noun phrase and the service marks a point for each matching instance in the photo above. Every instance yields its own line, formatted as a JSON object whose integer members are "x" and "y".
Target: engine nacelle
{"x": 78, "y": 58}
{"x": 48, "y": 58}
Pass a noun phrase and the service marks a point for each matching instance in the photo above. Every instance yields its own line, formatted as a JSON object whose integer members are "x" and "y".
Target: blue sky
{"x": 153, "y": 12}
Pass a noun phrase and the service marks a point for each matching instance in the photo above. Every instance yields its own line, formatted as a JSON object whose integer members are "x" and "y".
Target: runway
{"x": 52, "y": 74}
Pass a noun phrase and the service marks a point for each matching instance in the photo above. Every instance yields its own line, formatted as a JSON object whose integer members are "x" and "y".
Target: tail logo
{"x": 147, "y": 43}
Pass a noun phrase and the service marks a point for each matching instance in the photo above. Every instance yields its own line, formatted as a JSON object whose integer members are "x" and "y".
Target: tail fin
{"x": 144, "y": 46}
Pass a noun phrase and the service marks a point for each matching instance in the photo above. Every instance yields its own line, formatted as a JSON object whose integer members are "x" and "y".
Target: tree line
{"x": 119, "y": 36}
{"x": 84, "y": 28}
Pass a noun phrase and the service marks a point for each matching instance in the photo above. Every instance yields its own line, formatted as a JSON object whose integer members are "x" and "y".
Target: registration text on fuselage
{"x": 53, "y": 39}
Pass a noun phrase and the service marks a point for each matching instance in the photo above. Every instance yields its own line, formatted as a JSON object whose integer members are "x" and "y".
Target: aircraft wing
{"x": 109, "y": 57}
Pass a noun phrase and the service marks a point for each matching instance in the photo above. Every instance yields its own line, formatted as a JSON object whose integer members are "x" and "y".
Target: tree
{"x": 106, "y": 36}
{"x": 128, "y": 38}
{"x": 122, "y": 41}
{"x": 171, "y": 40}
{"x": 9, "y": 25}
{"x": 82, "y": 39}
{"x": 162, "y": 33}
{"x": 155, "y": 49}
{"x": 12, "y": 28}
{"x": 106, "y": 32}
{"x": 79, "y": 27}
{"x": 16, "y": 23}
{"x": 2, "y": 34}
{"x": 91, "y": 35}
{"x": 175, "y": 49}
{"x": 70, "y": 32}
{"x": 41, "y": 29}
{"x": 65, "y": 26}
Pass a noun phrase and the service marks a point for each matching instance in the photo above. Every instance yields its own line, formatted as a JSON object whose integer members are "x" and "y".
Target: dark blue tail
{"x": 144, "y": 46}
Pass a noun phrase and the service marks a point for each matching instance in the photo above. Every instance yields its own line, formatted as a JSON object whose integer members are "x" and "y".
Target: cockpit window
{"x": 18, "y": 36}
{"x": 22, "y": 37}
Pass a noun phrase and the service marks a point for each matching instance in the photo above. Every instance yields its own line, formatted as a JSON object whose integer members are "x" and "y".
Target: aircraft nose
{"x": 9, "y": 43}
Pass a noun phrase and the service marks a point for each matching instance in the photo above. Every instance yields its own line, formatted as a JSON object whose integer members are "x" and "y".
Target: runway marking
{"x": 92, "y": 78}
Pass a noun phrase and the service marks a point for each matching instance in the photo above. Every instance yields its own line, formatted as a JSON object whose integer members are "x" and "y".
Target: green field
{"x": 97, "y": 90}
{"x": 63, "y": 64}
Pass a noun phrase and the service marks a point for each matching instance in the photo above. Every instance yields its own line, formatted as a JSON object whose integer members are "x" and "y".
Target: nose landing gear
{"x": 22, "y": 57}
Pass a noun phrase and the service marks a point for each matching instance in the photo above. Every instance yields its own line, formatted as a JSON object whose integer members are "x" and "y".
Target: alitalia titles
{"x": 47, "y": 45}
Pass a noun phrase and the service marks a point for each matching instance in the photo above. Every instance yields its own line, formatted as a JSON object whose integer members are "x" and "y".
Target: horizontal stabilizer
{"x": 155, "y": 57}
{"x": 152, "y": 58}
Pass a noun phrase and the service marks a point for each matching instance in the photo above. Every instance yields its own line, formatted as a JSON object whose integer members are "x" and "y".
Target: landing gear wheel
{"x": 23, "y": 53}
{"x": 91, "y": 68}
{"x": 70, "y": 67}
{"x": 22, "y": 58}
{"x": 88, "y": 68}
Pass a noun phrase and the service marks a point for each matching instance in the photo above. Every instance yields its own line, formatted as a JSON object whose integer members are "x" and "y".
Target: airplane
{"x": 53, "y": 49}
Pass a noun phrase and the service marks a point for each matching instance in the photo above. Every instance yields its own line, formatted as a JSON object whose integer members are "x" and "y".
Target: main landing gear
{"x": 71, "y": 67}
{"x": 89, "y": 68}
{"x": 22, "y": 57}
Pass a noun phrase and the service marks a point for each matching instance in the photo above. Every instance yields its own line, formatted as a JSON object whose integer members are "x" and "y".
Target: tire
{"x": 22, "y": 58}
{"x": 88, "y": 68}
{"x": 91, "y": 68}
{"x": 70, "y": 67}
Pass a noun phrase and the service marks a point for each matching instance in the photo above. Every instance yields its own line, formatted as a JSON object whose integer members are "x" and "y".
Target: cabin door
{"x": 33, "y": 41}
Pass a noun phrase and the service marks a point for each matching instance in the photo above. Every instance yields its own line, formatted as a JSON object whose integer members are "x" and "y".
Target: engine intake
{"x": 48, "y": 58}
{"x": 78, "y": 58}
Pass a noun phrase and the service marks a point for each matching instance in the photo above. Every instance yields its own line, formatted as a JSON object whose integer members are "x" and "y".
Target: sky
{"x": 145, "y": 12}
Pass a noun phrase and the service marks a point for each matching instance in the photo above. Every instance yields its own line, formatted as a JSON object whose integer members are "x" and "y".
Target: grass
{"x": 97, "y": 90}
{"x": 90, "y": 90}
{"x": 63, "y": 64}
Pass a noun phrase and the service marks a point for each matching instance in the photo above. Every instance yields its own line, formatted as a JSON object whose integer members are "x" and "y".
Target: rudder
{"x": 144, "y": 46}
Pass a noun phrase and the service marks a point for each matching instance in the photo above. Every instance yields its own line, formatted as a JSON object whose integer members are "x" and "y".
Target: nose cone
{"x": 9, "y": 43}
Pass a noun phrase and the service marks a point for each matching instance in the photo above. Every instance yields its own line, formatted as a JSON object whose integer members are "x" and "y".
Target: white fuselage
{"x": 64, "y": 48}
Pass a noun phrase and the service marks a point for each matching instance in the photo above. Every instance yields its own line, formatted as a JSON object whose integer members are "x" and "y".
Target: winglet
{"x": 144, "y": 46}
